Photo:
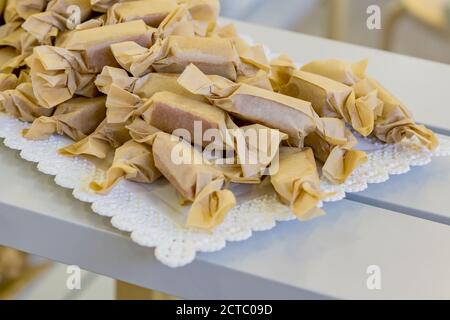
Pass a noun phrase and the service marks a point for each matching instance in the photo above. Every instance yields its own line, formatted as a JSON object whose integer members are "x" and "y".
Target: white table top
{"x": 326, "y": 257}
{"x": 423, "y": 192}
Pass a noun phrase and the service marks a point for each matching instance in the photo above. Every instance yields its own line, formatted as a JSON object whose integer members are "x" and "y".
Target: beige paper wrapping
{"x": 8, "y": 81}
{"x": 333, "y": 99}
{"x": 22, "y": 104}
{"x": 261, "y": 80}
{"x": 290, "y": 115}
{"x": 252, "y": 58}
{"x": 103, "y": 140}
{"x": 76, "y": 118}
{"x": 195, "y": 180}
{"x": 24, "y": 76}
{"x": 8, "y": 29}
{"x": 256, "y": 147}
{"x": 144, "y": 87}
{"x": 57, "y": 74}
{"x": 203, "y": 10}
{"x": 179, "y": 22}
{"x": 94, "y": 44}
{"x": 152, "y": 12}
{"x": 281, "y": 69}
{"x": 168, "y": 112}
{"x": 297, "y": 182}
{"x": 123, "y": 106}
{"x": 92, "y": 23}
{"x": 56, "y": 18}
{"x": 367, "y": 95}
{"x": 17, "y": 10}
{"x": 15, "y": 46}
{"x": 10, "y": 59}
{"x": 116, "y": 76}
{"x": 396, "y": 122}
{"x": 141, "y": 132}
{"x": 152, "y": 83}
{"x": 338, "y": 70}
{"x": 172, "y": 55}
{"x": 104, "y": 5}
{"x": 333, "y": 146}
{"x": 132, "y": 161}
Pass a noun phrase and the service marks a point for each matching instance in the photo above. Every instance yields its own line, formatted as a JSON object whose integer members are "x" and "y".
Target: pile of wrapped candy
{"x": 131, "y": 82}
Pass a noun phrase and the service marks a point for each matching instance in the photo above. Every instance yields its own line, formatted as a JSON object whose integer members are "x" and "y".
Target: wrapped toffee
{"x": 195, "y": 179}
{"x": 58, "y": 73}
{"x": 297, "y": 182}
{"x": 103, "y": 140}
{"x": 76, "y": 118}
{"x": 132, "y": 161}
{"x": 172, "y": 55}
{"x": 290, "y": 115}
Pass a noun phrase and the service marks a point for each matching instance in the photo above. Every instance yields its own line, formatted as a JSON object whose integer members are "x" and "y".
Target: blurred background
{"x": 418, "y": 28}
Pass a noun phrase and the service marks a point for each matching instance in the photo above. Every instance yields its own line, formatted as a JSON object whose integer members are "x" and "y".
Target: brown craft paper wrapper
{"x": 333, "y": 146}
{"x": 104, "y": 5}
{"x": 172, "y": 55}
{"x": 256, "y": 148}
{"x": 57, "y": 74}
{"x": 24, "y": 76}
{"x": 103, "y": 140}
{"x": 203, "y": 10}
{"x": 7, "y": 81}
{"x": 152, "y": 83}
{"x": 396, "y": 122}
{"x": 56, "y": 18}
{"x": 152, "y": 12}
{"x": 144, "y": 87}
{"x": 260, "y": 79}
{"x": 341, "y": 163}
{"x": 281, "y": 69}
{"x": 92, "y": 23}
{"x": 170, "y": 112}
{"x": 94, "y": 44}
{"x": 166, "y": 111}
{"x": 338, "y": 70}
{"x": 297, "y": 182}
{"x": 132, "y": 161}
{"x": 123, "y": 106}
{"x": 116, "y": 76}
{"x": 17, "y": 10}
{"x": 15, "y": 46}
{"x": 180, "y": 22}
{"x": 141, "y": 131}
{"x": 252, "y": 57}
{"x": 10, "y": 59}
{"x": 333, "y": 99}
{"x": 76, "y": 118}
{"x": 290, "y": 115}
{"x": 200, "y": 183}
{"x": 22, "y": 104}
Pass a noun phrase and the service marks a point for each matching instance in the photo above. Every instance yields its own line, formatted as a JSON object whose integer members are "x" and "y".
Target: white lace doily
{"x": 148, "y": 211}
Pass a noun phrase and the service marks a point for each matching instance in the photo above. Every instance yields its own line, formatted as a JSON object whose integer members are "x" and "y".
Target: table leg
{"x": 126, "y": 291}
{"x": 338, "y": 13}
{"x": 394, "y": 13}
